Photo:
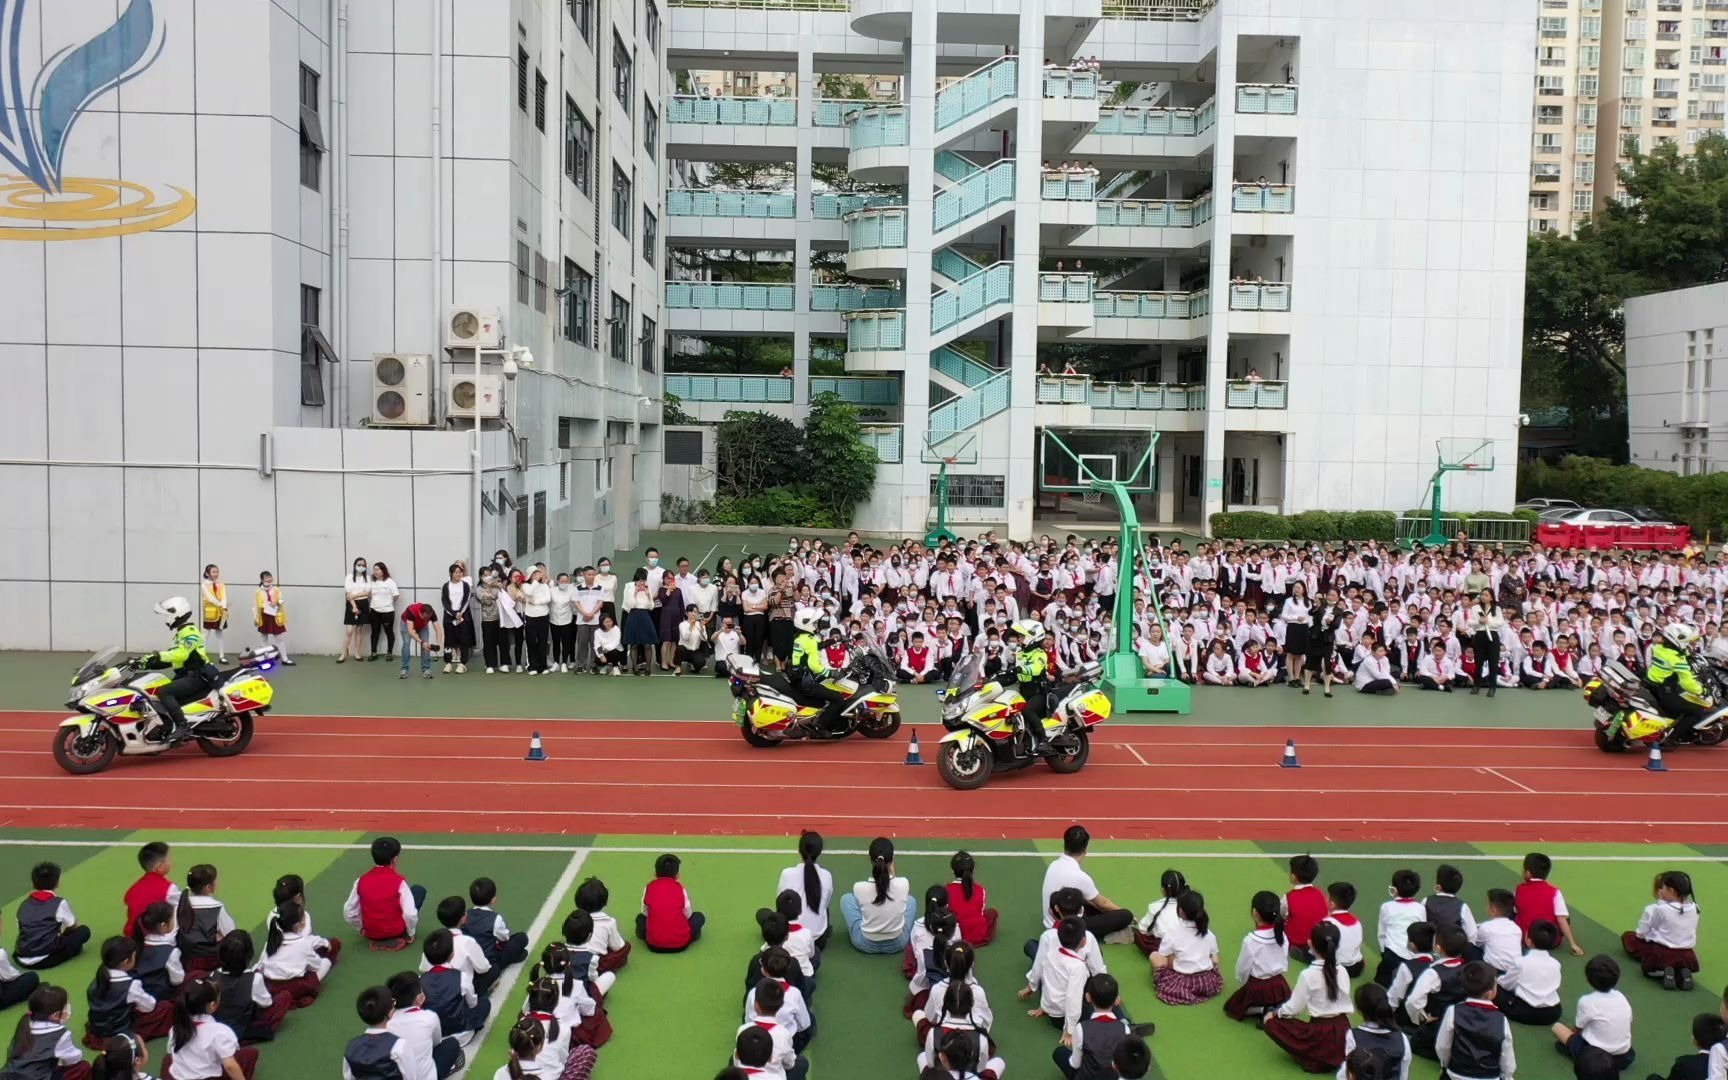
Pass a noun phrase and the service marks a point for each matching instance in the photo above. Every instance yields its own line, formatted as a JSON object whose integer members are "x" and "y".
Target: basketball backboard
{"x": 1073, "y": 459}
{"x": 1465, "y": 454}
{"x": 957, "y": 448}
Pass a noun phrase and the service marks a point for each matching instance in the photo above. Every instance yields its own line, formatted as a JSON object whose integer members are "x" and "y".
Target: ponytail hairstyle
{"x": 118, "y": 1060}
{"x": 285, "y": 920}
{"x": 527, "y": 1039}
{"x": 196, "y": 999}
{"x": 809, "y": 850}
{"x": 1172, "y": 884}
{"x": 46, "y": 1002}
{"x": 1375, "y": 1006}
{"x": 935, "y": 904}
{"x": 961, "y": 958}
{"x": 1324, "y": 943}
{"x": 1270, "y": 913}
{"x": 556, "y": 960}
{"x": 288, "y": 887}
{"x": 1681, "y": 882}
{"x": 963, "y": 866}
{"x": 1192, "y": 906}
{"x": 957, "y": 1000}
{"x": 155, "y": 919}
{"x": 543, "y": 998}
{"x": 117, "y": 952}
{"x": 199, "y": 880}
{"x": 234, "y": 952}
{"x": 1364, "y": 1064}
{"x": 959, "y": 1051}
{"x": 881, "y": 866}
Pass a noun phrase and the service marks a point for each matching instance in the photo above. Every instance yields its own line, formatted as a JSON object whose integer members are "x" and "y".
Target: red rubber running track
{"x": 1189, "y": 783}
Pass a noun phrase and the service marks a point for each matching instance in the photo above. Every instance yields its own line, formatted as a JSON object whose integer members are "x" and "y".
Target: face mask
{"x": 703, "y": 580}
{"x": 653, "y": 560}
{"x": 605, "y": 568}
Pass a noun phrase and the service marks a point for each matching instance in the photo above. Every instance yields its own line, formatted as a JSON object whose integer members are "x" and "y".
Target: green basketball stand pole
{"x": 940, "y": 534}
{"x": 1435, "y": 537}
{"x": 1125, "y": 679}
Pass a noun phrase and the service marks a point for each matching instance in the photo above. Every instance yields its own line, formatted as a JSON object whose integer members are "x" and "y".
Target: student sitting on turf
{"x": 1419, "y": 950}
{"x": 1063, "y": 903}
{"x": 935, "y": 898}
{"x": 762, "y": 1010}
{"x": 1088, "y": 1054}
{"x": 610, "y": 950}
{"x": 292, "y": 960}
{"x": 1396, "y": 917}
{"x": 960, "y": 963}
{"x": 1534, "y": 998}
{"x": 159, "y": 965}
{"x": 777, "y": 967}
{"x": 1262, "y": 963}
{"x": 1604, "y": 1016}
{"x": 434, "y": 1056}
{"x": 667, "y": 924}
{"x": 1708, "y": 1032}
{"x": 966, "y": 898}
{"x": 118, "y": 1003}
{"x": 1475, "y": 1039}
{"x": 382, "y": 905}
{"x": 15, "y": 985}
{"x": 961, "y": 1055}
{"x": 1185, "y": 969}
{"x": 579, "y": 997}
{"x": 48, "y": 932}
{"x": 200, "y": 1048}
{"x": 293, "y": 887}
{"x": 789, "y": 906}
{"x": 202, "y": 920}
{"x": 1378, "y": 1034}
{"x": 931, "y": 937}
{"x": 42, "y": 1046}
{"x": 450, "y": 991}
{"x": 561, "y": 1017}
{"x": 244, "y": 1000}
{"x": 126, "y": 1058}
{"x": 1436, "y": 990}
{"x": 753, "y": 1055}
{"x": 529, "y": 1053}
{"x": 1161, "y": 914}
{"x": 956, "y": 1011}
{"x": 1537, "y": 899}
{"x": 1059, "y": 975}
{"x": 1665, "y": 942}
{"x": 1445, "y": 907}
{"x": 486, "y": 926}
{"x": 378, "y": 1051}
{"x": 775, "y": 933}
{"x": 1340, "y": 898}
{"x": 153, "y": 885}
{"x": 1323, "y": 992}
{"x": 813, "y": 883}
{"x": 1501, "y": 939}
{"x": 578, "y": 935}
{"x": 452, "y": 913}
{"x": 1304, "y": 905}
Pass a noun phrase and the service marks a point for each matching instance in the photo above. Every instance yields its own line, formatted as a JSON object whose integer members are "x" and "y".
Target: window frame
{"x": 623, "y": 209}
{"x": 540, "y": 100}
{"x": 650, "y": 128}
{"x": 523, "y": 283}
{"x": 312, "y": 142}
{"x": 578, "y": 147}
{"x": 522, "y": 80}
{"x": 623, "y": 73}
{"x": 618, "y": 330}
{"x": 649, "y": 341}
{"x": 650, "y": 234}
{"x": 582, "y": 14}
{"x": 578, "y": 304}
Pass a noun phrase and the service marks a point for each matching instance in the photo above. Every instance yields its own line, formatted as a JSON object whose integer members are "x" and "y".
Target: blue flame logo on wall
{"x": 39, "y": 111}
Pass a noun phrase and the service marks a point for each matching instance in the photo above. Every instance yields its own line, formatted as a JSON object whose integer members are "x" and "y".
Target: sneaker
{"x": 489, "y": 671}
{"x": 520, "y": 669}
{"x": 221, "y": 658}
{"x": 1683, "y": 978}
{"x": 404, "y": 674}
{"x": 447, "y": 668}
{"x": 615, "y": 670}
{"x": 461, "y": 669}
{"x": 1670, "y": 981}
{"x": 425, "y": 674}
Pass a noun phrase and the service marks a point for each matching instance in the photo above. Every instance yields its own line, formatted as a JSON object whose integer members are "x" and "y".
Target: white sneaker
{"x": 489, "y": 671}
{"x": 447, "y": 668}
{"x": 461, "y": 669}
{"x": 520, "y": 669}
{"x": 222, "y": 659}
{"x": 615, "y": 670}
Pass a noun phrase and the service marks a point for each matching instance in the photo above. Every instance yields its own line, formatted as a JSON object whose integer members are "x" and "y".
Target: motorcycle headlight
{"x": 84, "y": 689}
{"x": 951, "y": 710}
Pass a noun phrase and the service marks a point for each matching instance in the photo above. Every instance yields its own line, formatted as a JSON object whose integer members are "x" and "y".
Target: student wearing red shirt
{"x": 966, "y": 899}
{"x": 382, "y": 905}
{"x": 667, "y": 924}
{"x": 421, "y": 626}
{"x": 919, "y": 662}
{"x": 154, "y": 886}
{"x": 1537, "y": 900}
{"x": 1304, "y": 906}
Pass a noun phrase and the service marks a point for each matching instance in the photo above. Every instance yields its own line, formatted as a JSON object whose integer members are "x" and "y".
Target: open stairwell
{"x": 976, "y": 100}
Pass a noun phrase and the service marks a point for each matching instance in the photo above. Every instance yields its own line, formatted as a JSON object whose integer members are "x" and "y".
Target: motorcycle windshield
{"x": 97, "y": 664}
{"x": 967, "y": 674}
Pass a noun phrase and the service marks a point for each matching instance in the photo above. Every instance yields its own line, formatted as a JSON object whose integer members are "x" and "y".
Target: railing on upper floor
{"x": 995, "y": 81}
{"x": 879, "y": 125}
{"x": 756, "y": 389}
{"x": 729, "y": 296}
{"x": 951, "y": 166}
{"x": 854, "y": 298}
{"x": 1150, "y": 305}
{"x": 971, "y": 408}
{"x": 1070, "y": 186}
{"x": 1260, "y": 296}
{"x": 871, "y": 331}
{"x": 960, "y": 367}
{"x": 1276, "y": 98}
{"x": 1158, "y": 213}
{"x": 1066, "y": 288}
{"x": 1256, "y": 394}
{"x": 832, "y": 206}
{"x": 832, "y": 112}
{"x": 1157, "y": 10}
{"x": 1257, "y": 198}
{"x": 857, "y": 389}
{"x": 876, "y": 228}
{"x": 1158, "y": 120}
{"x": 689, "y": 202}
{"x": 953, "y": 265}
{"x": 984, "y": 188}
{"x": 1085, "y": 390}
{"x": 992, "y": 285}
{"x": 771, "y": 5}
{"x": 1067, "y": 83}
{"x": 885, "y": 439}
{"x": 752, "y": 112}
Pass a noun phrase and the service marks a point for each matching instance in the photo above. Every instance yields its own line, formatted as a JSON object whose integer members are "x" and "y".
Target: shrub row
{"x": 1330, "y": 525}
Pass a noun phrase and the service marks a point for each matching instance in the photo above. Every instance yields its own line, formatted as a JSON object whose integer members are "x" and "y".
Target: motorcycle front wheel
{"x": 235, "y": 741}
{"x": 965, "y": 769}
{"x": 879, "y": 725}
{"x": 1610, "y": 744}
{"x": 82, "y": 755}
{"x": 1072, "y": 763}
{"x": 759, "y": 741}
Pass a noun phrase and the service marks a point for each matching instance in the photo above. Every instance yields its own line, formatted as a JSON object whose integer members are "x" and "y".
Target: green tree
{"x": 840, "y": 465}
{"x": 832, "y": 84}
{"x": 756, "y": 451}
{"x": 734, "y": 356}
{"x": 1671, "y": 232}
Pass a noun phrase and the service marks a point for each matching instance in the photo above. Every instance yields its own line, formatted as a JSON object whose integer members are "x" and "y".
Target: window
{"x": 1584, "y": 144}
{"x": 1631, "y": 86}
{"x": 1542, "y": 201}
{"x": 1550, "y": 84}
{"x": 1548, "y": 143}
{"x": 1637, "y": 29}
{"x": 1587, "y": 86}
{"x": 980, "y": 492}
{"x": 651, "y": 27}
{"x": 563, "y": 481}
{"x": 1552, "y": 26}
{"x": 578, "y": 304}
{"x": 540, "y": 283}
{"x": 602, "y": 475}
{"x": 623, "y": 72}
{"x": 314, "y": 347}
{"x": 1631, "y": 116}
{"x": 1590, "y": 27}
{"x": 650, "y": 333}
{"x": 620, "y": 201}
{"x": 618, "y": 330}
{"x": 539, "y": 100}
{"x": 650, "y": 127}
{"x": 1581, "y": 202}
{"x": 539, "y": 520}
{"x": 1587, "y": 116}
{"x": 1628, "y": 146}
{"x": 582, "y": 14}
{"x": 311, "y": 130}
{"x": 1584, "y": 172}
{"x": 650, "y": 231}
{"x": 1553, "y": 56}
{"x": 578, "y": 148}
{"x": 521, "y": 272}
{"x": 521, "y": 78}
{"x": 1632, "y": 59}
{"x": 683, "y": 447}
{"x": 1589, "y": 56}
{"x": 522, "y": 524}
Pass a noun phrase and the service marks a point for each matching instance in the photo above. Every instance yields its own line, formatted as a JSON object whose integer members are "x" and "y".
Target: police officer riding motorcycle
{"x": 194, "y": 674}
{"x": 1032, "y": 672}
{"x": 1671, "y": 679}
{"x": 809, "y": 670}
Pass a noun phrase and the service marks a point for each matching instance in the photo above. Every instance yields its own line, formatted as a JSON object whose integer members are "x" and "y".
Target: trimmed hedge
{"x": 1699, "y": 501}
{"x": 1310, "y": 525}
{"x": 800, "y": 508}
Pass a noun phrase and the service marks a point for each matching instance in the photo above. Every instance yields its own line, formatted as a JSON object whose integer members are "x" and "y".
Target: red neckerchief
{"x": 1065, "y": 952}
{"x": 766, "y": 1025}
{"x": 1344, "y": 918}
{"x": 1489, "y": 1005}
{"x": 42, "y": 894}
{"x": 1104, "y": 1016}
{"x": 1405, "y": 900}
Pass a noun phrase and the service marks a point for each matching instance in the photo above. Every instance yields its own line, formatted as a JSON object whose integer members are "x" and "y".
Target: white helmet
{"x": 741, "y": 665}
{"x": 174, "y": 611}
{"x": 1680, "y": 635}
{"x": 808, "y": 620}
{"x": 1030, "y": 629}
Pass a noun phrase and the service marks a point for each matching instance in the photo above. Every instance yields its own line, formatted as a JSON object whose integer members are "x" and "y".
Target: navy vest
{"x": 1477, "y": 1034}
{"x": 38, "y": 929}
{"x": 443, "y": 990}
{"x": 1386, "y": 1046}
{"x": 482, "y": 927}
{"x": 1098, "y": 1042}
{"x": 234, "y": 1004}
{"x": 1444, "y": 911}
{"x": 38, "y": 1062}
{"x": 152, "y": 970}
{"x": 368, "y": 1056}
{"x": 110, "y": 1012}
{"x": 199, "y": 938}
{"x": 1450, "y": 992}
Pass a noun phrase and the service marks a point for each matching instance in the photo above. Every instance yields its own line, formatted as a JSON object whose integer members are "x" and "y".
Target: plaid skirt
{"x": 1146, "y": 943}
{"x": 1653, "y": 959}
{"x": 272, "y": 625}
{"x": 1317, "y": 1045}
{"x": 1262, "y": 995}
{"x": 1178, "y": 988}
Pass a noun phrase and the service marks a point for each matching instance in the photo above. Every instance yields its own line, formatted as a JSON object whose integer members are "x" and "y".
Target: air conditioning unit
{"x": 401, "y": 390}
{"x": 473, "y": 328}
{"x": 463, "y": 397}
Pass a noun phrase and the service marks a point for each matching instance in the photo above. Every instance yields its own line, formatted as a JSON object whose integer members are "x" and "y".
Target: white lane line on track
{"x": 1130, "y": 748}
{"x": 1514, "y": 783}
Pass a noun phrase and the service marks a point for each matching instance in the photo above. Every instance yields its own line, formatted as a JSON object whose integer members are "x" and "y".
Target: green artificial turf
{"x": 675, "y": 1015}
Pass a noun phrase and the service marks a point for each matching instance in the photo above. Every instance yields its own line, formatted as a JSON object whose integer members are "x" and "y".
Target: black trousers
{"x": 383, "y": 622}
{"x": 12, "y": 991}
{"x": 564, "y": 643}
{"x": 491, "y": 642}
{"x": 755, "y": 633}
{"x": 538, "y": 625}
{"x": 183, "y": 688}
{"x": 1104, "y": 923}
{"x": 1520, "y": 1011}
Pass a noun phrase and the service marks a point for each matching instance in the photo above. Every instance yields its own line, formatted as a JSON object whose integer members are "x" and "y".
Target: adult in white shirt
{"x": 879, "y": 912}
{"x": 562, "y": 616}
{"x": 728, "y": 642}
{"x": 1103, "y": 915}
{"x": 588, "y": 600}
{"x": 381, "y": 594}
{"x": 811, "y": 882}
{"x": 692, "y": 643}
{"x": 536, "y": 613}
{"x": 608, "y": 584}
{"x": 608, "y": 646}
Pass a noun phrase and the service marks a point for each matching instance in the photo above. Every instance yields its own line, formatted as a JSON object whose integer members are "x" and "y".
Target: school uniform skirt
{"x": 1296, "y": 638}
{"x": 271, "y": 626}
{"x": 1146, "y": 943}
{"x": 1262, "y": 995}
{"x": 639, "y": 628}
{"x": 1317, "y": 1045}
{"x": 1653, "y": 959}
{"x": 1181, "y": 988}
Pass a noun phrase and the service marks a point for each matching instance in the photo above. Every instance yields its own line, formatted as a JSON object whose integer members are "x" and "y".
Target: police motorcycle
{"x": 987, "y": 730}
{"x": 768, "y": 712}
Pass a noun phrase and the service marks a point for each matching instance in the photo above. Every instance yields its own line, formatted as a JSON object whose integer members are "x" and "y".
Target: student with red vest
{"x": 1304, "y": 906}
{"x": 667, "y": 924}
{"x": 1537, "y": 900}
{"x": 968, "y": 901}
{"x": 153, "y": 887}
{"x": 382, "y": 905}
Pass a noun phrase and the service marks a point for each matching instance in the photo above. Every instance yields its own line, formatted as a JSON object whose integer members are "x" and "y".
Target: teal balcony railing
{"x": 995, "y": 81}
{"x": 1148, "y": 10}
{"x": 1066, "y": 288}
{"x": 1260, "y": 297}
{"x": 992, "y": 285}
{"x": 971, "y": 408}
{"x": 1084, "y": 390}
{"x": 854, "y": 298}
{"x": 874, "y": 331}
{"x": 1136, "y": 120}
{"x": 857, "y": 389}
{"x": 1275, "y": 98}
{"x": 730, "y": 204}
{"x": 1256, "y": 394}
{"x": 961, "y": 367}
{"x": 749, "y": 112}
{"x": 1263, "y": 199}
{"x": 885, "y": 439}
{"x": 752, "y": 389}
{"x": 952, "y": 166}
{"x": 871, "y": 230}
{"x": 882, "y": 125}
{"x": 1149, "y": 305}
{"x": 984, "y": 188}
{"x": 953, "y": 265}
{"x": 832, "y": 112}
{"x": 1070, "y": 186}
{"x": 726, "y": 296}
{"x": 831, "y": 206}
{"x": 1080, "y": 85}
{"x": 1159, "y": 213}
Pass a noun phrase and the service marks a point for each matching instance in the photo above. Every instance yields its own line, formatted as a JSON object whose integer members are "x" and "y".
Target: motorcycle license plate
{"x": 1603, "y": 715}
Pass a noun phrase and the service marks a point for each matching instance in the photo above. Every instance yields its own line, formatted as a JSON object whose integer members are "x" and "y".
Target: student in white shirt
{"x": 1535, "y": 999}
{"x": 1161, "y": 914}
{"x": 1185, "y": 969}
{"x": 1374, "y": 674}
{"x": 430, "y": 1054}
{"x": 762, "y": 1012}
{"x": 1501, "y": 940}
{"x": 1437, "y": 670}
{"x": 1604, "y": 1016}
{"x": 1666, "y": 940}
{"x": 1322, "y": 991}
{"x": 1220, "y": 669}
{"x": 754, "y": 1053}
{"x": 1397, "y": 915}
{"x": 529, "y": 1055}
{"x": 931, "y": 937}
{"x": 1262, "y": 963}
{"x": 1059, "y": 976}
{"x": 202, "y": 1047}
{"x": 814, "y": 885}
{"x": 293, "y": 962}
{"x": 1474, "y": 1031}
{"x": 728, "y": 642}
{"x": 1340, "y": 898}
{"x": 1378, "y": 1032}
